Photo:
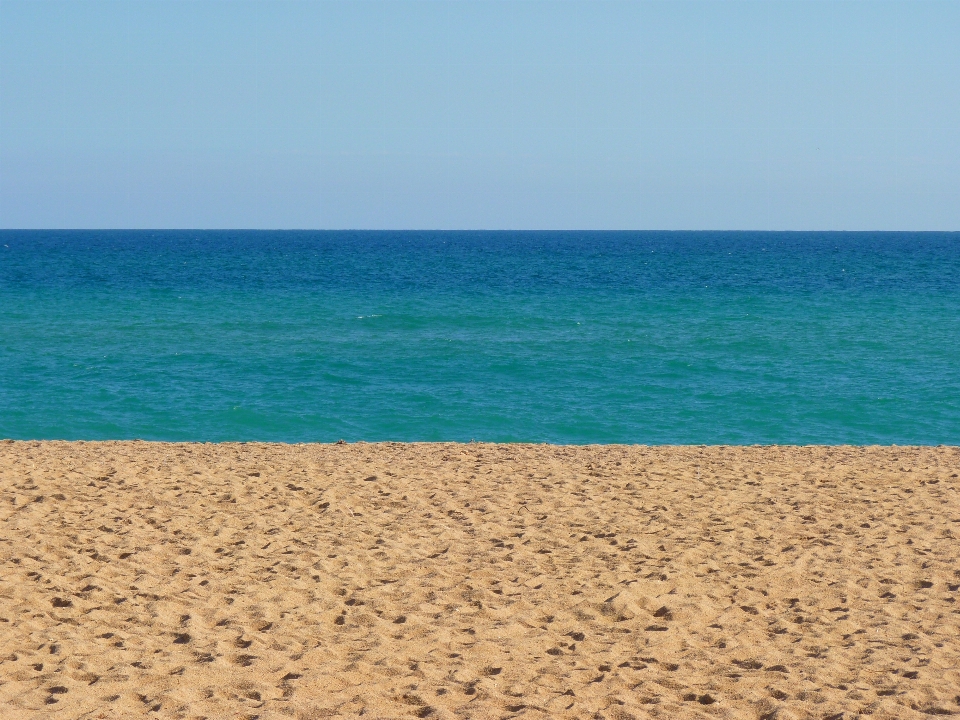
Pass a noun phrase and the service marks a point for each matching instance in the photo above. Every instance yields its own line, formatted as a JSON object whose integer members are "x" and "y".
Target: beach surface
{"x": 478, "y": 581}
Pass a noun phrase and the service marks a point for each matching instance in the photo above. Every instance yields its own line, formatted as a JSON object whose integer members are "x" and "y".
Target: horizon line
{"x": 462, "y": 230}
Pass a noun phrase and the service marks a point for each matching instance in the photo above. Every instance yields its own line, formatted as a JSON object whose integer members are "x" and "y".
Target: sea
{"x": 546, "y": 337}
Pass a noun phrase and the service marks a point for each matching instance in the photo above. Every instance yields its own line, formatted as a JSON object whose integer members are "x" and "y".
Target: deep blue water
{"x": 564, "y": 337}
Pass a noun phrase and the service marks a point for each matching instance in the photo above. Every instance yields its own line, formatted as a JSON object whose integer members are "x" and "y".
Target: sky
{"x": 507, "y": 114}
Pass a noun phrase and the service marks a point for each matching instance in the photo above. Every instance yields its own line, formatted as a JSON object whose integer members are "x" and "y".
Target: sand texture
{"x": 477, "y": 581}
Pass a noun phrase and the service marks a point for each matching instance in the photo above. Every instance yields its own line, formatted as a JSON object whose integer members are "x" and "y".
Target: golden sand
{"x": 477, "y": 581}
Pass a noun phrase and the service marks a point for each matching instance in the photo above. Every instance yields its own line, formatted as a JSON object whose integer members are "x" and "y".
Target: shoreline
{"x": 474, "y": 443}
{"x": 478, "y": 580}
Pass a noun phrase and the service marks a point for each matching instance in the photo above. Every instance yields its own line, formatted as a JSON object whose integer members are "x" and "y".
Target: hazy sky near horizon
{"x": 480, "y": 114}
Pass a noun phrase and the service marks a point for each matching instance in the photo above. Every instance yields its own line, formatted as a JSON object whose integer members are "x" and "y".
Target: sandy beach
{"x": 478, "y": 581}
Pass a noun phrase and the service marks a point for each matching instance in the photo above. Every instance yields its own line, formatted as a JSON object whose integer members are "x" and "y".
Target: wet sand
{"x": 478, "y": 581}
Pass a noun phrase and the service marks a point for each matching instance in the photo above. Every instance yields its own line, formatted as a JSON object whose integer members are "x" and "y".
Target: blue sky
{"x": 401, "y": 114}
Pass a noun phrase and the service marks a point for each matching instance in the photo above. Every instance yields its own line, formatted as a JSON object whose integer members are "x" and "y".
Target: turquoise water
{"x": 557, "y": 337}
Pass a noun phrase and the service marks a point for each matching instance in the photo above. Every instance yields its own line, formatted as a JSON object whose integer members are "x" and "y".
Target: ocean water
{"x": 561, "y": 337}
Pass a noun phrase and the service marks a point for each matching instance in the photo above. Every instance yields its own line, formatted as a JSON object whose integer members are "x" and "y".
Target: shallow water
{"x": 558, "y": 337}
